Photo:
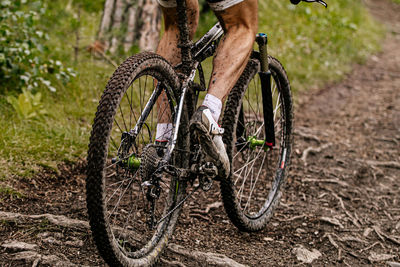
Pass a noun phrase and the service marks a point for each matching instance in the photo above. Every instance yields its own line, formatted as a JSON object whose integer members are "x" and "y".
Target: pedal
{"x": 207, "y": 173}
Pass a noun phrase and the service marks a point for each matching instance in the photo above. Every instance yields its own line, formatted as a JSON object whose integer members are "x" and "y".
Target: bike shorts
{"x": 216, "y": 5}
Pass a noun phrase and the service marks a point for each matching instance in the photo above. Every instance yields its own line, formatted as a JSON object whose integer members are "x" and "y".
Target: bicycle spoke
{"x": 123, "y": 118}
{"x": 120, "y": 197}
{"x": 130, "y": 103}
{"x": 277, "y": 106}
{"x": 114, "y": 143}
{"x": 248, "y": 172}
{"x": 254, "y": 185}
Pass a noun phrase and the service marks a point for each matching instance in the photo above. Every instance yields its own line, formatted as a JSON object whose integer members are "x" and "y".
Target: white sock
{"x": 214, "y": 104}
{"x": 164, "y": 131}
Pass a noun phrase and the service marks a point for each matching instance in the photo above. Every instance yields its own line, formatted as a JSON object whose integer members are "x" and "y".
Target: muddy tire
{"x": 127, "y": 225}
{"x": 257, "y": 176}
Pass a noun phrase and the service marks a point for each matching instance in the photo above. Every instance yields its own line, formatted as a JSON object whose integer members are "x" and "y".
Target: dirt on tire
{"x": 341, "y": 205}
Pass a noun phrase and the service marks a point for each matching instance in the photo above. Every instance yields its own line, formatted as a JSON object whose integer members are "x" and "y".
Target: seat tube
{"x": 184, "y": 41}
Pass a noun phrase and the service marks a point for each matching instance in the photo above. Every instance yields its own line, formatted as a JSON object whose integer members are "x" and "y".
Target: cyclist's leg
{"x": 240, "y": 23}
{"x": 168, "y": 48}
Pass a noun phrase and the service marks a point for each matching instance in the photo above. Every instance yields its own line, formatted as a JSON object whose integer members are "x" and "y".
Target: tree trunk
{"x": 106, "y": 22}
{"x": 151, "y": 19}
{"x": 129, "y": 23}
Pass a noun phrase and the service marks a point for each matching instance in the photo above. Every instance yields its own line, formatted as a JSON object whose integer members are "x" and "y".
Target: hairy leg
{"x": 168, "y": 46}
{"x": 240, "y": 23}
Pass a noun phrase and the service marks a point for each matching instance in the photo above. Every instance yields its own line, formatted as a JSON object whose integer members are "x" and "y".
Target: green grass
{"x": 316, "y": 46}
{"x": 7, "y": 192}
{"x": 62, "y": 136}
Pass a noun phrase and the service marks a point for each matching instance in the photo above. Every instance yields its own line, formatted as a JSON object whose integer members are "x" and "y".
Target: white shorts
{"x": 216, "y": 5}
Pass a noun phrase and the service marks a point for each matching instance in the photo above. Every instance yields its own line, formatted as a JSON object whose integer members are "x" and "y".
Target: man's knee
{"x": 241, "y": 17}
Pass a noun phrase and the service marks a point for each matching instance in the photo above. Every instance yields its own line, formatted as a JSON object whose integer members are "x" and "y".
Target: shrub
{"x": 24, "y": 61}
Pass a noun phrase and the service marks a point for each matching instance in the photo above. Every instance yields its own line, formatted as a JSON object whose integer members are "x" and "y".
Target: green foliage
{"x": 23, "y": 63}
{"x": 89, "y": 6}
{"x": 27, "y": 105}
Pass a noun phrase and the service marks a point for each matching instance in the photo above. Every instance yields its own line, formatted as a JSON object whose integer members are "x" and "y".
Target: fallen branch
{"x": 293, "y": 218}
{"x": 214, "y": 205}
{"x": 340, "y": 200}
{"x": 199, "y": 216}
{"x": 371, "y": 246}
{"x": 332, "y": 221}
{"x": 382, "y": 235}
{"x": 332, "y": 241}
{"x": 313, "y": 150}
{"x": 387, "y": 139}
{"x": 332, "y": 181}
{"x": 387, "y": 164}
{"x": 353, "y": 239}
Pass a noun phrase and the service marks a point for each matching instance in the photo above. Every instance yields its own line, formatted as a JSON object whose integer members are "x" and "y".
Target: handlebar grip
{"x": 295, "y": 2}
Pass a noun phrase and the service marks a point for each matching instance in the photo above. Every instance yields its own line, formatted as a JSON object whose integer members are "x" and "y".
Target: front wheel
{"x": 258, "y": 173}
{"x": 132, "y": 219}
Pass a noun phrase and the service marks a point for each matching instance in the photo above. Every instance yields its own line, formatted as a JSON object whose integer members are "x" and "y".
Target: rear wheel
{"x": 254, "y": 186}
{"x": 132, "y": 213}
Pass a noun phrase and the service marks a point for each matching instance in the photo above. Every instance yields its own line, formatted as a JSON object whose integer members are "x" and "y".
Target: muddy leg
{"x": 168, "y": 46}
{"x": 240, "y": 23}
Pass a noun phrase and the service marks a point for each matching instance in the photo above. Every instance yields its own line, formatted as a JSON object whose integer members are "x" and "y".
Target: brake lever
{"x": 317, "y": 1}
{"x": 322, "y": 3}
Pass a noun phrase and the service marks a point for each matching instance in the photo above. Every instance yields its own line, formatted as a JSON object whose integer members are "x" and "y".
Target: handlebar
{"x": 295, "y": 2}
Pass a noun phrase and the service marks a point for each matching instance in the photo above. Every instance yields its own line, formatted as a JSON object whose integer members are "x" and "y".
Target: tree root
{"x": 206, "y": 258}
{"x": 59, "y": 220}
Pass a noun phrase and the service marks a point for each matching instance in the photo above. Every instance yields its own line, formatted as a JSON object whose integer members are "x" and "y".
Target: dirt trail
{"x": 342, "y": 199}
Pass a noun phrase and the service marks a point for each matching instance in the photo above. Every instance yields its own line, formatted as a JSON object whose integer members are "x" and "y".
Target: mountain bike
{"x": 135, "y": 187}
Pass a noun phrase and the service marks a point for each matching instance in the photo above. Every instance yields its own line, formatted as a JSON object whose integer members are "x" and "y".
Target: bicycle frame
{"x": 192, "y": 55}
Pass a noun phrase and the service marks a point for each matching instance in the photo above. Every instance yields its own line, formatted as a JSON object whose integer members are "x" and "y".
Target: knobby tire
{"x": 116, "y": 239}
{"x": 257, "y": 181}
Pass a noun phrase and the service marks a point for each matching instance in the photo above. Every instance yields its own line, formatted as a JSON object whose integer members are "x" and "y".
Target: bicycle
{"x": 135, "y": 188}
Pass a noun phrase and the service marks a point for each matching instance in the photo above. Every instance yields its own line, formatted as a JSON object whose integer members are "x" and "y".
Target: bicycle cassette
{"x": 149, "y": 162}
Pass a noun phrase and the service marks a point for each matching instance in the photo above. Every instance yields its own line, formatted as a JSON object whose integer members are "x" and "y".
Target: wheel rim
{"x": 132, "y": 217}
{"x": 255, "y": 168}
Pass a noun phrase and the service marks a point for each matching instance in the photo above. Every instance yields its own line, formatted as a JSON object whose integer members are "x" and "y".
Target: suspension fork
{"x": 265, "y": 77}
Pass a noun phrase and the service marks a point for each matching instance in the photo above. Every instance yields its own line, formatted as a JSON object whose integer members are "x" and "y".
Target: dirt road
{"x": 341, "y": 205}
